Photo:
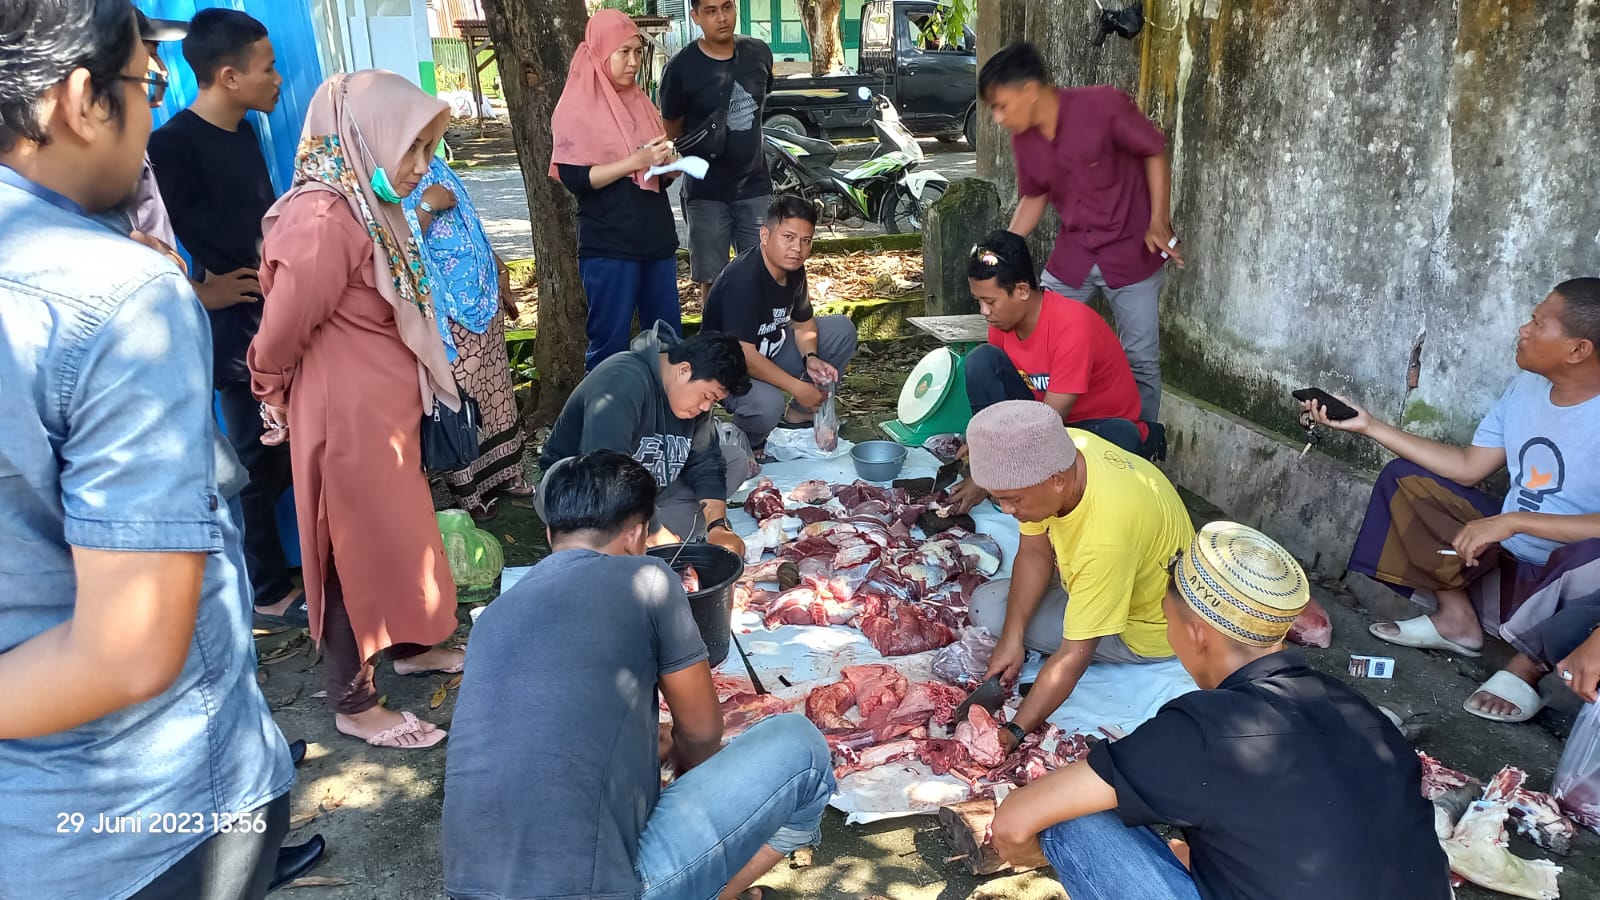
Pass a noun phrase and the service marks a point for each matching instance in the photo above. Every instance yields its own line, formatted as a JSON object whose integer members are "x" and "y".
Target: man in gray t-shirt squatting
{"x": 553, "y": 783}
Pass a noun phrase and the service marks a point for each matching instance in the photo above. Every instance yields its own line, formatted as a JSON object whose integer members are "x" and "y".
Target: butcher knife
{"x": 990, "y": 695}
{"x": 755, "y": 681}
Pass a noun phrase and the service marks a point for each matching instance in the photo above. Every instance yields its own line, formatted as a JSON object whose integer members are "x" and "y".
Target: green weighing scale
{"x": 933, "y": 400}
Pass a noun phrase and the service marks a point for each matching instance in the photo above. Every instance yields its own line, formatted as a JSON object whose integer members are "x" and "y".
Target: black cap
{"x": 160, "y": 30}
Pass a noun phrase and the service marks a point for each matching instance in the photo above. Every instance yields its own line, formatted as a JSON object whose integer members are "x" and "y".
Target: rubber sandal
{"x": 485, "y": 513}
{"x": 390, "y": 737}
{"x": 1420, "y": 633}
{"x": 1503, "y": 685}
{"x": 448, "y": 670}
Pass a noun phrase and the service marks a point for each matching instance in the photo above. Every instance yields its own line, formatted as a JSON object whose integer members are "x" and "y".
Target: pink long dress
{"x": 329, "y": 347}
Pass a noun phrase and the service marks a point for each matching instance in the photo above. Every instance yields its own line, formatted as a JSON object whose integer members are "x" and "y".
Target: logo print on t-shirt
{"x": 664, "y": 455}
{"x": 741, "y": 109}
{"x": 1039, "y": 383}
{"x": 1542, "y": 473}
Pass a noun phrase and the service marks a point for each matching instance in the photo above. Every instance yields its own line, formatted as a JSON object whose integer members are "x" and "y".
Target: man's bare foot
{"x": 1485, "y": 702}
{"x": 1451, "y": 625}
{"x": 438, "y": 659}
{"x": 278, "y": 609}
{"x": 386, "y": 727}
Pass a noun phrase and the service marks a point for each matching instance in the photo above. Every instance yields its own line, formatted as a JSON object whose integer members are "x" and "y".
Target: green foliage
{"x": 523, "y": 370}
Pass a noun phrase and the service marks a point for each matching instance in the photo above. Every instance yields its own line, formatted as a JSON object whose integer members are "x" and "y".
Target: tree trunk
{"x": 534, "y": 41}
{"x": 821, "y": 21}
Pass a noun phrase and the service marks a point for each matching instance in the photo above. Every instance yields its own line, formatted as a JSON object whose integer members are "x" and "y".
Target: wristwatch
{"x": 718, "y": 523}
{"x": 427, "y": 207}
{"x": 1016, "y": 731}
{"x": 809, "y": 355}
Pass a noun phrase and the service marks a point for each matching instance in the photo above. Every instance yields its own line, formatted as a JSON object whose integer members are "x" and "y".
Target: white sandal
{"x": 1503, "y": 685}
{"x": 1421, "y": 634}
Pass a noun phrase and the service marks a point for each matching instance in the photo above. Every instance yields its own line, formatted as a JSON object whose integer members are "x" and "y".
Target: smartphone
{"x": 1337, "y": 410}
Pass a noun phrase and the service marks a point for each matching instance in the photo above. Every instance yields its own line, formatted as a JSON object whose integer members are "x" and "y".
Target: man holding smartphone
{"x": 1090, "y": 153}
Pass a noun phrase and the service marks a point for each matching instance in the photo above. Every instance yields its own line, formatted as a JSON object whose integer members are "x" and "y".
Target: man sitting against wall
{"x": 1488, "y": 565}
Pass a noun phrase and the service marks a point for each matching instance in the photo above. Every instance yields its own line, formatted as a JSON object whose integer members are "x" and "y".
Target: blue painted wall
{"x": 289, "y": 24}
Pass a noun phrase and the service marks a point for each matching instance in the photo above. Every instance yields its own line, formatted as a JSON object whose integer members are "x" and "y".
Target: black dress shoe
{"x": 296, "y": 860}
{"x": 297, "y": 752}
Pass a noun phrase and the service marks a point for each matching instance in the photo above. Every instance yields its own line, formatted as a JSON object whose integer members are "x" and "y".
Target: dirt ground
{"x": 380, "y": 809}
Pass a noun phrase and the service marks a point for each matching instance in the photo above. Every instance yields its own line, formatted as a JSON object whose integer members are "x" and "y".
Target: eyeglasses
{"x": 155, "y": 86}
{"x": 986, "y": 256}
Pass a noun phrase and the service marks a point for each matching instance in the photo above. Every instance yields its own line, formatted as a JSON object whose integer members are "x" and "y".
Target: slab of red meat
{"x": 1311, "y": 628}
{"x": 856, "y": 554}
{"x": 874, "y": 756}
{"x": 781, "y": 572}
{"x": 941, "y": 755}
{"x": 826, "y": 706}
{"x": 980, "y": 735}
{"x": 1438, "y": 779}
{"x": 764, "y": 501}
{"x": 740, "y": 711}
{"x": 875, "y": 685}
{"x": 812, "y": 514}
{"x": 1534, "y": 814}
{"x": 814, "y": 491}
{"x": 904, "y": 631}
{"x": 808, "y": 548}
{"x": 792, "y": 607}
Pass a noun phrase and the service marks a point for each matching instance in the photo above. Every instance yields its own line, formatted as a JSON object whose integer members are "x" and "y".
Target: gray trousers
{"x": 758, "y": 412}
{"x": 1043, "y": 634}
{"x": 1136, "y": 308}
{"x": 715, "y": 225}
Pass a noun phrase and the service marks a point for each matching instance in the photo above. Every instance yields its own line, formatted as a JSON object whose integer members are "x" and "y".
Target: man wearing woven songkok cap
{"x": 1285, "y": 783}
{"x": 1098, "y": 526}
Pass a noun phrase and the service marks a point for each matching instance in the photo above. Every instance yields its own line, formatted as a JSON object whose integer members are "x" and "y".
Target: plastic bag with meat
{"x": 964, "y": 663}
{"x": 1311, "y": 628}
{"x": 944, "y": 446}
{"x": 827, "y": 420}
{"x": 1577, "y": 781}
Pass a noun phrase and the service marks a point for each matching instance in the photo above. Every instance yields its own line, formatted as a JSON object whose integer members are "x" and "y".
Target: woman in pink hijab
{"x": 347, "y": 358}
{"x": 606, "y": 134}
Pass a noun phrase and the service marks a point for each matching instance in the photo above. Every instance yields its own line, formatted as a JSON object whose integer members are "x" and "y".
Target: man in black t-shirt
{"x": 712, "y": 96}
{"x": 1285, "y": 783}
{"x": 761, "y": 299}
{"x": 214, "y": 180}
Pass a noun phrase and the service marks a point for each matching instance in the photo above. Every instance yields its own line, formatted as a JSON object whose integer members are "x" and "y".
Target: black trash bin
{"x": 712, "y": 605}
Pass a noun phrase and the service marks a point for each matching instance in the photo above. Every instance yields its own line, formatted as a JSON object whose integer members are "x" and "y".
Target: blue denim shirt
{"x": 105, "y": 443}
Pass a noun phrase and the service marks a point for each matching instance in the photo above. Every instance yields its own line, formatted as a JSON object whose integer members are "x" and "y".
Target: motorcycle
{"x": 886, "y": 188}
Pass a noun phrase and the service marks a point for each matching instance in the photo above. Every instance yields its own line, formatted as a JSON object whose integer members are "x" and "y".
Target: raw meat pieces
{"x": 875, "y": 685}
{"x": 815, "y": 491}
{"x": 904, "y": 631}
{"x": 1312, "y": 628}
{"x": 944, "y": 446}
{"x": 980, "y": 736}
{"x": 740, "y": 711}
{"x": 874, "y": 756}
{"x": 826, "y": 706}
{"x": 1535, "y": 814}
{"x": 691, "y": 579}
{"x": 764, "y": 501}
{"x": 1477, "y": 852}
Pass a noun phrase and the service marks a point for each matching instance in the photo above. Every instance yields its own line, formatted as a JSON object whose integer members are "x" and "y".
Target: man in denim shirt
{"x": 137, "y": 755}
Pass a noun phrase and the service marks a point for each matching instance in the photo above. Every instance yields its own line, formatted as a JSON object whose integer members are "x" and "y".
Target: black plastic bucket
{"x": 712, "y": 605}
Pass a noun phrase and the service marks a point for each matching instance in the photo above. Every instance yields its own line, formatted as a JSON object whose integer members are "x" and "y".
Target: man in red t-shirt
{"x": 1091, "y": 154}
{"x": 1047, "y": 348}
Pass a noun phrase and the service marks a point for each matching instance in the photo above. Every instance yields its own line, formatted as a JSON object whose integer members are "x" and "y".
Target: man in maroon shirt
{"x": 1091, "y": 154}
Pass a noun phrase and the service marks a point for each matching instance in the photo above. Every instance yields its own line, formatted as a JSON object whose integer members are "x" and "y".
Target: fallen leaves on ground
{"x": 846, "y": 276}
{"x": 438, "y": 697}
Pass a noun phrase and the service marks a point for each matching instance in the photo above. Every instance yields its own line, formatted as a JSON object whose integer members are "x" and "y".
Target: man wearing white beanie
{"x": 1098, "y": 526}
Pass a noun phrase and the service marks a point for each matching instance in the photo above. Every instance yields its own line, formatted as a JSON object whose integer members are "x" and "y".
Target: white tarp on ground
{"x": 1108, "y": 695}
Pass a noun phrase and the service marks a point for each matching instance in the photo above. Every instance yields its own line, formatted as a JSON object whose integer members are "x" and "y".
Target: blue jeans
{"x": 1099, "y": 858}
{"x": 617, "y": 288}
{"x": 768, "y": 787}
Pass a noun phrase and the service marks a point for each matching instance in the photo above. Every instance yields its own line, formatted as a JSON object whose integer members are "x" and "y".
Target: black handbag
{"x": 450, "y": 436}
{"x": 711, "y": 138}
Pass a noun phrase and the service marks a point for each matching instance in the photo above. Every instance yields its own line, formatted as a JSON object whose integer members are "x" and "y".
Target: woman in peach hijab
{"x": 606, "y": 134}
{"x": 347, "y": 358}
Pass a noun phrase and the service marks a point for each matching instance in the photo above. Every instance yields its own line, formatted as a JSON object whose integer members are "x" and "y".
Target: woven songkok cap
{"x": 1242, "y": 583}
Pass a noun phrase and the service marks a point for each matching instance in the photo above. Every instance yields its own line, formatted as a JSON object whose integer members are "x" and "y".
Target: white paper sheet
{"x": 693, "y": 166}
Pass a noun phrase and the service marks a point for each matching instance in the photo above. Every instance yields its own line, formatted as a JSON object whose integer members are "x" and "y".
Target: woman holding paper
{"x": 607, "y": 135}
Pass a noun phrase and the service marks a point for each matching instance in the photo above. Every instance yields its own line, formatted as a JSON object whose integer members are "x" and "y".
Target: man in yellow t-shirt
{"x": 1106, "y": 520}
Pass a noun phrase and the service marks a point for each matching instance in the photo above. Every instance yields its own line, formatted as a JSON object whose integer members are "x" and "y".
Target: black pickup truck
{"x": 934, "y": 85}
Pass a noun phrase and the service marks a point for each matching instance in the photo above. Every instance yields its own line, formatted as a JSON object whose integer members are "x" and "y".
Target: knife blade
{"x": 990, "y": 695}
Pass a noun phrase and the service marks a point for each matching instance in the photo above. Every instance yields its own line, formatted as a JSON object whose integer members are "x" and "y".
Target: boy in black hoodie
{"x": 654, "y": 404}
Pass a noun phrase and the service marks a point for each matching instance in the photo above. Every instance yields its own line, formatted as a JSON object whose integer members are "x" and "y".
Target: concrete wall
{"x": 1348, "y": 175}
